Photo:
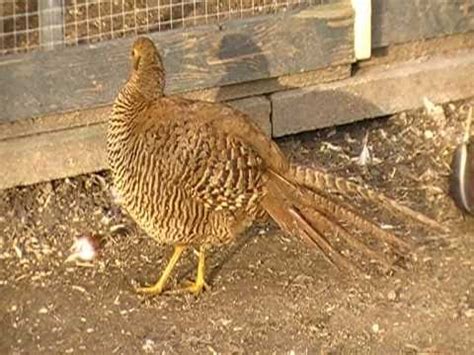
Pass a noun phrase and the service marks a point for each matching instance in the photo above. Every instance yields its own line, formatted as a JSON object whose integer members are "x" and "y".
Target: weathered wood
{"x": 55, "y": 122}
{"x": 271, "y": 85}
{"x": 416, "y": 50}
{"x": 53, "y": 155}
{"x": 395, "y": 21}
{"x": 62, "y": 121}
{"x": 376, "y": 92}
{"x": 2, "y": 29}
{"x": 38, "y": 83}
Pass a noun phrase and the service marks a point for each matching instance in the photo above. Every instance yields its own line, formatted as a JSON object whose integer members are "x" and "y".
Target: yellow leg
{"x": 159, "y": 286}
{"x": 197, "y": 286}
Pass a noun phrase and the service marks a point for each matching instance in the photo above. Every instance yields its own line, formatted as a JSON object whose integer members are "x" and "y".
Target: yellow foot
{"x": 157, "y": 288}
{"x": 196, "y": 288}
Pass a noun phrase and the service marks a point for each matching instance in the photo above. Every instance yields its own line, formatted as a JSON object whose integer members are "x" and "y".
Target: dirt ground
{"x": 269, "y": 292}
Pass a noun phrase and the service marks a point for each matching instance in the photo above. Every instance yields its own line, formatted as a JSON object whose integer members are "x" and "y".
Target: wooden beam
{"x": 53, "y": 155}
{"x": 63, "y": 121}
{"x": 395, "y": 21}
{"x": 362, "y": 28}
{"x": 418, "y": 50}
{"x": 371, "y": 93}
{"x": 375, "y": 92}
{"x": 271, "y": 85}
{"x": 391, "y": 55}
{"x": 39, "y": 83}
{"x": 2, "y": 29}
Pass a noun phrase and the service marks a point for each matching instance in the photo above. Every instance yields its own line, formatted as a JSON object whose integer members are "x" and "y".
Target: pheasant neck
{"x": 148, "y": 81}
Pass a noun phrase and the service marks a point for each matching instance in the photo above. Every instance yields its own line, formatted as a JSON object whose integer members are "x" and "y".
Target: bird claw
{"x": 191, "y": 287}
{"x": 150, "y": 290}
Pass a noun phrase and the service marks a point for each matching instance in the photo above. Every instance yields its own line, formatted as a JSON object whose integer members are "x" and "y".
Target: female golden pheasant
{"x": 198, "y": 173}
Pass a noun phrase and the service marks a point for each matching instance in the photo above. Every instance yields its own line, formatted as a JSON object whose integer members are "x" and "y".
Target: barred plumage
{"x": 198, "y": 173}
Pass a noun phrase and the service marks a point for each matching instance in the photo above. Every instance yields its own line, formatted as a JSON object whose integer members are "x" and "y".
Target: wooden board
{"x": 418, "y": 50}
{"x": 271, "y": 85}
{"x": 38, "y": 83}
{"x": 396, "y": 21}
{"x": 375, "y": 92}
{"x": 53, "y": 155}
{"x": 57, "y": 122}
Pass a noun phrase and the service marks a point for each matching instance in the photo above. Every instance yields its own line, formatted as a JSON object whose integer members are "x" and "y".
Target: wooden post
{"x": 51, "y": 23}
{"x": 2, "y": 30}
{"x": 362, "y": 28}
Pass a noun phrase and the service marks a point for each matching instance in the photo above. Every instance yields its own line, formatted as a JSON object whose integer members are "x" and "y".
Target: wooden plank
{"x": 53, "y": 155}
{"x": 417, "y": 50}
{"x": 2, "y": 29}
{"x": 38, "y": 83}
{"x": 376, "y": 92}
{"x": 79, "y": 150}
{"x": 62, "y": 121}
{"x": 395, "y": 21}
{"x": 54, "y": 122}
{"x": 271, "y": 85}
{"x": 362, "y": 28}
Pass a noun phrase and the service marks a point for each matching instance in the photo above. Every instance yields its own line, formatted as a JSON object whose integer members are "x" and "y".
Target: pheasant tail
{"x": 320, "y": 221}
{"x": 322, "y": 181}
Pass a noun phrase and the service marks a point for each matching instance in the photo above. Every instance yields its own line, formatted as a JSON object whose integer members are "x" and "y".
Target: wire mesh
{"x": 26, "y": 25}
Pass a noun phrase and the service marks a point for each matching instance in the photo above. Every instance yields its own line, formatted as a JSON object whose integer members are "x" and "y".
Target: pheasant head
{"x": 147, "y": 71}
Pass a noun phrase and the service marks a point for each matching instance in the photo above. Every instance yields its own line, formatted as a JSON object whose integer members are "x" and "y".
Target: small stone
{"x": 392, "y": 295}
{"x": 43, "y": 310}
{"x": 105, "y": 220}
{"x": 149, "y": 346}
{"x": 469, "y": 313}
{"x": 375, "y": 328}
{"x": 428, "y": 134}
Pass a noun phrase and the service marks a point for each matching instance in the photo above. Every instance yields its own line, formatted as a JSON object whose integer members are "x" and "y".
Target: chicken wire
{"x": 26, "y": 25}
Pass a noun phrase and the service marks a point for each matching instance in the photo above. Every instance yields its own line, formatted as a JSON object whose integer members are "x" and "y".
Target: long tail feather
{"x": 322, "y": 181}
{"x": 338, "y": 210}
{"x": 291, "y": 221}
{"x": 312, "y": 234}
{"x": 347, "y": 214}
{"x": 340, "y": 230}
{"x": 316, "y": 220}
